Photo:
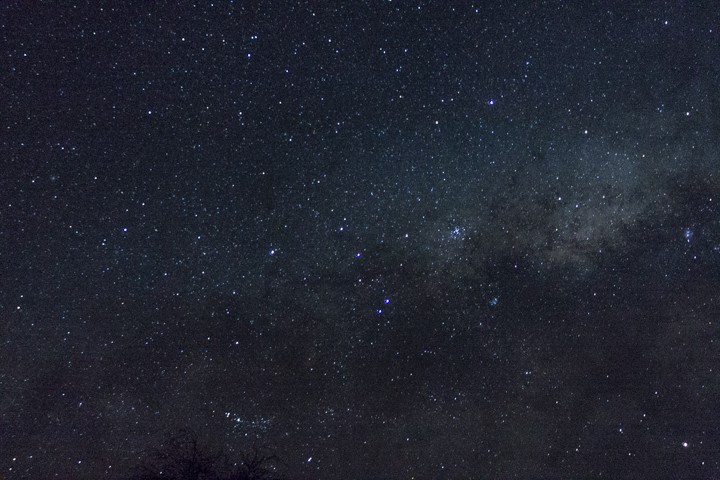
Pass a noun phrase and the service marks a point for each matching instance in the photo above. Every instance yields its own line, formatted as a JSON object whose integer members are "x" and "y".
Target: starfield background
{"x": 384, "y": 239}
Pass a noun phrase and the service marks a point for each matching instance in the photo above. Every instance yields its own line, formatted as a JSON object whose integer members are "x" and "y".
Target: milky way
{"x": 384, "y": 239}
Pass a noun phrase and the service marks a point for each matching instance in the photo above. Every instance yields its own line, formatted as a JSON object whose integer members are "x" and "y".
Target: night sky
{"x": 387, "y": 239}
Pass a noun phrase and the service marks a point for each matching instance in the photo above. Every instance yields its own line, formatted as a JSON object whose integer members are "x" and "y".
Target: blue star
{"x": 688, "y": 233}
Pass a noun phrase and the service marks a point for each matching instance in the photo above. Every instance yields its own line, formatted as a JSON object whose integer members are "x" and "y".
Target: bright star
{"x": 688, "y": 233}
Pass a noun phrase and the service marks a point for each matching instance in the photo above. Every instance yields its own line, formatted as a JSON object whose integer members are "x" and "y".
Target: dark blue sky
{"x": 386, "y": 239}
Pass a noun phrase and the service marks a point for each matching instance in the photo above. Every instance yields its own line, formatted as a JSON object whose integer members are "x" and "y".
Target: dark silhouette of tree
{"x": 183, "y": 459}
{"x": 256, "y": 465}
